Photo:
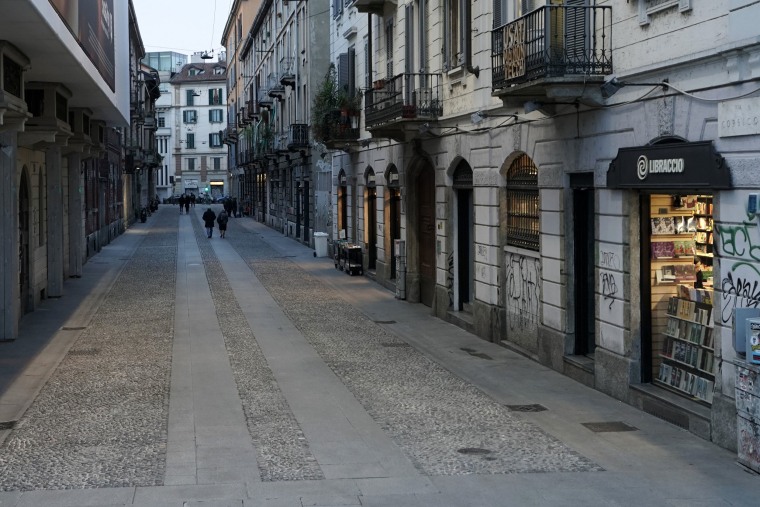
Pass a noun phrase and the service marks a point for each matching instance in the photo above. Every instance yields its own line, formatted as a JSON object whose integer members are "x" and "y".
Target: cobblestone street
{"x": 243, "y": 371}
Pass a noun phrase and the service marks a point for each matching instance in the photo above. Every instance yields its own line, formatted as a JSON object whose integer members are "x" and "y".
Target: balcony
{"x": 553, "y": 53}
{"x": 372, "y": 6}
{"x": 298, "y": 137}
{"x": 264, "y": 99}
{"x": 251, "y": 112}
{"x": 397, "y": 107}
{"x": 340, "y": 130}
{"x": 287, "y": 76}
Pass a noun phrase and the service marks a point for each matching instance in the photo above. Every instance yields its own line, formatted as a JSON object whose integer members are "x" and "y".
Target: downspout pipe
{"x": 468, "y": 38}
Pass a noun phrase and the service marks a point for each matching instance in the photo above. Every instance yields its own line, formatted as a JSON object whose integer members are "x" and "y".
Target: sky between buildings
{"x": 183, "y": 26}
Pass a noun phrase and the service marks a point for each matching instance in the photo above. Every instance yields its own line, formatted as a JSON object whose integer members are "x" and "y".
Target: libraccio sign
{"x": 678, "y": 165}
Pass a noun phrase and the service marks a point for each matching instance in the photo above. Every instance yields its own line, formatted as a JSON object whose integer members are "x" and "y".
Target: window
{"x": 215, "y": 140}
{"x": 218, "y": 71}
{"x": 216, "y": 115}
{"x": 194, "y": 71}
{"x": 649, "y": 7}
{"x": 523, "y": 204}
{"x": 161, "y": 121}
{"x": 190, "y": 116}
{"x": 191, "y": 164}
{"x": 452, "y": 48}
{"x": 217, "y": 161}
{"x": 190, "y": 141}
{"x": 215, "y": 96}
{"x": 190, "y": 97}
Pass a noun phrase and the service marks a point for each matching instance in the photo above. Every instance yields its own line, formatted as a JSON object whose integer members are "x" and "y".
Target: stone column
{"x": 76, "y": 225}
{"x": 54, "y": 221}
{"x": 9, "y": 297}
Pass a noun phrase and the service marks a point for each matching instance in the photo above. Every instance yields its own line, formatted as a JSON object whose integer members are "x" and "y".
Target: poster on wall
{"x": 92, "y": 24}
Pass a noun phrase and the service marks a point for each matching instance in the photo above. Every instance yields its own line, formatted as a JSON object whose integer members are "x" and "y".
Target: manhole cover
{"x": 7, "y": 425}
{"x": 609, "y": 427}
{"x": 473, "y": 450}
{"x": 73, "y": 328}
{"x": 84, "y": 352}
{"x": 535, "y": 407}
{"x": 384, "y": 321}
{"x": 395, "y": 345}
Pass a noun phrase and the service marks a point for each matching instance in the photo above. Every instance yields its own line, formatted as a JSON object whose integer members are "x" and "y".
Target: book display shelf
{"x": 688, "y": 356}
{"x": 681, "y": 254}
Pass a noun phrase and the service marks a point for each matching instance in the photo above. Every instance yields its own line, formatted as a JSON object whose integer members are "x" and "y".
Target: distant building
{"x": 198, "y": 106}
{"x": 167, "y": 63}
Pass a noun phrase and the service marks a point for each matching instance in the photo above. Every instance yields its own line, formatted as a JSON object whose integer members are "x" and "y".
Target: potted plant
{"x": 326, "y": 101}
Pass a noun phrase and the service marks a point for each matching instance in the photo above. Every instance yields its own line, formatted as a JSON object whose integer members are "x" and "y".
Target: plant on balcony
{"x": 326, "y": 102}
{"x": 349, "y": 104}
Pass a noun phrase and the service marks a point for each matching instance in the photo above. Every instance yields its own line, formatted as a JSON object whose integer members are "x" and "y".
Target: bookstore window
{"x": 681, "y": 246}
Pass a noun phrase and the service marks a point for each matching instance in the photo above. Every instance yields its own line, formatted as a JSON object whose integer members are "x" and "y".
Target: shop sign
{"x": 674, "y": 165}
{"x": 739, "y": 117}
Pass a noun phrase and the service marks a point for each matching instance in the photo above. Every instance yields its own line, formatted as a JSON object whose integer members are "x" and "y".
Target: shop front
{"x": 678, "y": 186}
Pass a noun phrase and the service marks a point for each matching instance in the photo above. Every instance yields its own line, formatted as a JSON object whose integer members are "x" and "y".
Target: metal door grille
{"x": 522, "y": 204}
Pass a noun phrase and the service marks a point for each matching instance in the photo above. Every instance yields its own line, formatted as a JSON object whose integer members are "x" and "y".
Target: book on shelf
{"x": 663, "y": 226}
{"x": 663, "y": 250}
{"x": 698, "y": 295}
{"x": 685, "y": 272}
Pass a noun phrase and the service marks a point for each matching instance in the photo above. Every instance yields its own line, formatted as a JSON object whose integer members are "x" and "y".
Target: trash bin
{"x": 320, "y": 244}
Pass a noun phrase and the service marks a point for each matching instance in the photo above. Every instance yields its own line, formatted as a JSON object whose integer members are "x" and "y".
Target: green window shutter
{"x": 190, "y": 97}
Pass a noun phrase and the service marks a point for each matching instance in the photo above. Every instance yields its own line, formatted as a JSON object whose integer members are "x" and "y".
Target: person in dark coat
{"x": 208, "y": 220}
{"x": 234, "y": 207}
{"x": 187, "y": 204}
{"x": 181, "y": 203}
{"x": 222, "y": 221}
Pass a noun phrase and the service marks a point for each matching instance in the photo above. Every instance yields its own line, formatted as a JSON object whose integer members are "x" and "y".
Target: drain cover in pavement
{"x": 535, "y": 407}
{"x": 608, "y": 427}
{"x": 473, "y": 450}
{"x": 475, "y": 353}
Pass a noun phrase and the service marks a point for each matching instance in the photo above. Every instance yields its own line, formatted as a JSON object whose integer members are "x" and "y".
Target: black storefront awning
{"x": 688, "y": 166}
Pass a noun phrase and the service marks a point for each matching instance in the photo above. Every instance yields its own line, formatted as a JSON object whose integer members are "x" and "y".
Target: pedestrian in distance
{"x": 222, "y": 220}
{"x": 234, "y": 207}
{"x": 208, "y": 220}
{"x": 187, "y": 205}
{"x": 181, "y": 203}
{"x": 192, "y": 200}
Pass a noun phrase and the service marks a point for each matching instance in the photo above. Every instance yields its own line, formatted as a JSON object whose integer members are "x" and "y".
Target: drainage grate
{"x": 535, "y": 407}
{"x": 609, "y": 427}
{"x": 475, "y": 353}
{"x": 84, "y": 352}
{"x": 384, "y": 321}
{"x": 395, "y": 345}
{"x": 7, "y": 425}
{"x": 73, "y": 328}
{"x": 473, "y": 450}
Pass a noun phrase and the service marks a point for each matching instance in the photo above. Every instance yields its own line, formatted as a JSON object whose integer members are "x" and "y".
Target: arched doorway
{"x": 342, "y": 205}
{"x": 425, "y": 228}
{"x": 393, "y": 220}
{"x": 463, "y": 220}
{"x": 370, "y": 218}
{"x": 24, "y": 235}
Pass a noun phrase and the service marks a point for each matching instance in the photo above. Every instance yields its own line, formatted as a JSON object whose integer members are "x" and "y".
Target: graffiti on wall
{"x": 740, "y": 288}
{"x": 450, "y": 278}
{"x": 608, "y": 287}
{"x": 523, "y": 286}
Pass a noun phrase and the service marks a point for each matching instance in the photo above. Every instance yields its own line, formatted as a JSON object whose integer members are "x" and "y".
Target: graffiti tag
{"x": 609, "y": 287}
{"x": 609, "y": 260}
{"x": 523, "y": 291}
{"x": 736, "y": 240}
{"x": 739, "y": 290}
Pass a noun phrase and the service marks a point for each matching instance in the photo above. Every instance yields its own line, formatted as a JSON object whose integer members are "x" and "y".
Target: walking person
{"x": 222, "y": 220}
{"x": 208, "y": 220}
{"x": 181, "y": 203}
{"x": 234, "y": 207}
{"x": 192, "y": 200}
{"x": 187, "y": 205}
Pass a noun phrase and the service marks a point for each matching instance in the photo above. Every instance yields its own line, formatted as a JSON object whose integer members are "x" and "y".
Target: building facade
{"x": 282, "y": 53}
{"x": 167, "y": 64}
{"x": 65, "y": 108}
{"x": 563, "y": 178}
{"x": 200, "y": 156}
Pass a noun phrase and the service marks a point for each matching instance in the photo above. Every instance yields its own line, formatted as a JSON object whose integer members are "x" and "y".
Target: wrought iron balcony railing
{"x": 298, "y": 136}
{"x": 553, "y": 41}
{"x": 404, "y": 97}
